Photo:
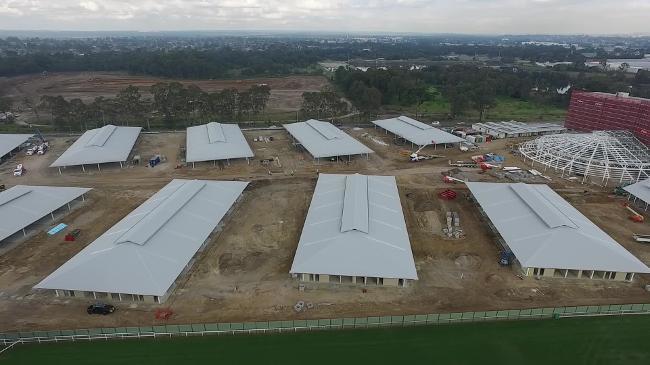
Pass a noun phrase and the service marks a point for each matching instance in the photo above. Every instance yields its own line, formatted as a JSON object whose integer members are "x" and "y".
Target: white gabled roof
{"x": 355, "y": 227}
{"x": 416, "y": 132}
{"x": 23, "y": 205}
{"x": 216, "y": 141}
{"x": 101, "y": 145}
{"x": 543, "y": 230}
{"x": 323, "y": 139}
{"x": 8, "y": 142}
{"x": 640, "y": 190}
{"x": 146, "y": 251}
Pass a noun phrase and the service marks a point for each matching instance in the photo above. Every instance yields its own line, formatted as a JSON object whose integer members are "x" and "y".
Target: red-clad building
{"x": 594, "y": 111}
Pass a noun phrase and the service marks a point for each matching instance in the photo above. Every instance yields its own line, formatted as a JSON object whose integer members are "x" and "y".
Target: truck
{"x": 19, "y": 170}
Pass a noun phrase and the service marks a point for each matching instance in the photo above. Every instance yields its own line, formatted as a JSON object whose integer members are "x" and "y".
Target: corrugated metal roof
{"x": 416, "y": 132}
{"x": 543, "y": 230}
{"x": 322, "y": 139}
{"x": 216, "y": 141}
{"x": 514, "y": 127}
{"x": 146, "y": 251}
{"x": 8, "y": 142}
{"x": 640, "y": 190}
{"x": 355, "y": 227}
{"x": 101, "y": 145}
{"x": 23, "y": 205}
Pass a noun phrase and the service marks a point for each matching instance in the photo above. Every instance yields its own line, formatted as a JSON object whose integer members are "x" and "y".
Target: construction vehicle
{"x": 635, "y": 217}
{"x": 42, "y": 148}
{"x": 451, "y": 180}
{"x": 643, "y": 238}
{"x": 417, "y": 157}
{"x": 19, "y": 170}
{"x": 155, "y": 160}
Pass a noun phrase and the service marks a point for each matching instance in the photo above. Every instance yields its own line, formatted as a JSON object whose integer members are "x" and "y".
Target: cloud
{"x": 427, "y": 16}
{"x": 89, "y": 5}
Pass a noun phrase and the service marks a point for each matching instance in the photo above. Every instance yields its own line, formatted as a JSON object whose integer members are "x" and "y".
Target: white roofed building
{"x": 10, "y": 142}
{"x": 23, "y": 205}
{"x": 355, "y": 233}
{"x": 98, "y": 146}
{"x": 416, "y": 132}
{"x": 323, "y": 139}
{"x": 141, "y": 256}
{"x": 550, "y": 238}
{"x": 216, "y": 141}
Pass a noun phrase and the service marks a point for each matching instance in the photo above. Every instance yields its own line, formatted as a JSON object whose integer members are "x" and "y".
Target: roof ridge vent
{"x": 101, "y": 136}
{"x": 543, "y": 208}
{"x": 323, "y": 129}
{"x": 215, "y": 132}
{"x": 355, "y": 204}
{"x": 155, "y": 219}
{"x": 13, "y": 194}
{"x": 415, "y": 123}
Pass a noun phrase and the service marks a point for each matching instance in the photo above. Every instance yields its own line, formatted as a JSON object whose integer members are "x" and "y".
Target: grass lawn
{"x": 505, "y": 109}
{"x": 611, "y": 340}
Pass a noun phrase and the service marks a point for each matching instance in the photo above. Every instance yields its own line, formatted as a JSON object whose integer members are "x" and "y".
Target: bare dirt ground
{"x": 286, "y": 92}
{"x": 242, "y": 275}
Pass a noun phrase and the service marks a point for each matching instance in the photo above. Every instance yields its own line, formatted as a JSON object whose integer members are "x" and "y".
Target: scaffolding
{"x": 602, "y": 157}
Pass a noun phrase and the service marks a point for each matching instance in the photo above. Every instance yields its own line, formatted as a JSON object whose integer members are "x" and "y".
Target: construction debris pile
{"x": 453, "y": 230}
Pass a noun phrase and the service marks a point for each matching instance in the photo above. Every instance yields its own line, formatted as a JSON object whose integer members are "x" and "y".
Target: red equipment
{"x": 448, "y": 194}
{"x": 163, "y": 313}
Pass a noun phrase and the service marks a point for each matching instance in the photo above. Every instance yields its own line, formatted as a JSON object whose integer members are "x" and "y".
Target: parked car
{"x": 100, "y": 308}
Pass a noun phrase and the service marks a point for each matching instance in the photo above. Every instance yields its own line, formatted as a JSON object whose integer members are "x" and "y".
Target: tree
{"x": 322, "y": 103}
{"x": 484, "y": 95}
{"x": 129, "y": 103}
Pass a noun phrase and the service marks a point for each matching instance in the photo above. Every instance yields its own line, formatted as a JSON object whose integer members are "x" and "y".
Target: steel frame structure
{"x": 601, "y": 157}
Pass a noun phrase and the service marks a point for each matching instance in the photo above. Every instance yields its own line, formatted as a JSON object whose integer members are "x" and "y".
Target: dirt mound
{"x": 467, "y": 261}
{"x": 423, "y": 205}
{"x": 232, "y": 264}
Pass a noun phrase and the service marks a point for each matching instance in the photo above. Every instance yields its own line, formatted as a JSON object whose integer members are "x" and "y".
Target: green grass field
{"x": 505, "y": 109}
{"x": 611, "y": 340}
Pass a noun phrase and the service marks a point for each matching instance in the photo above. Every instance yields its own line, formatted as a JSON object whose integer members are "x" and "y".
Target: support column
{"x": 83, "y": 168}
{"x": 59, "y": 171}
{"x": 52, "y": 215}
{"x": 98, "y": 169}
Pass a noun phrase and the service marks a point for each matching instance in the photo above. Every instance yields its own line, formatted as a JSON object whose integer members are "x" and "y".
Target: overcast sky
{"x": 432, "y": 16}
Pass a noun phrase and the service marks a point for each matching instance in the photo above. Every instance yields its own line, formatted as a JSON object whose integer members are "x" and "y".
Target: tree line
{"x": 170, "y": 103}
{"x": 471, "y": 87}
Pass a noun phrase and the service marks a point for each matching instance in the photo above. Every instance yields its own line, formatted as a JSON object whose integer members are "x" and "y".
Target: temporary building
{"x": 416, "y": 132}
{"x": 23, "y": 205}
{"x": 323, "y": 139}
{"x": 355, "y": 233}
{"x": 550, "y": 238}
{"x": 141, "y": 256}
{"x": 97, "y": 146}
{"x": 517, "y": 129}
{"x": 216, "y": 141}
{"x": 9, "y": 142}
{"x": 601, "y": 158}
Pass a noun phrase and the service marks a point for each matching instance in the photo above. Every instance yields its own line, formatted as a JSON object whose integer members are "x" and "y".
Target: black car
{"x": 100, "y": 308}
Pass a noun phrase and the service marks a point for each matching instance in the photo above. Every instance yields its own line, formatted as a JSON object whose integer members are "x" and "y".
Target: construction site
{"x": 429, "y": 240}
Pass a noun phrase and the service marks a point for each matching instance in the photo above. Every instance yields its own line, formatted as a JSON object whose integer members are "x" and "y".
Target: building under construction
{"x": 594, "y": 111}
